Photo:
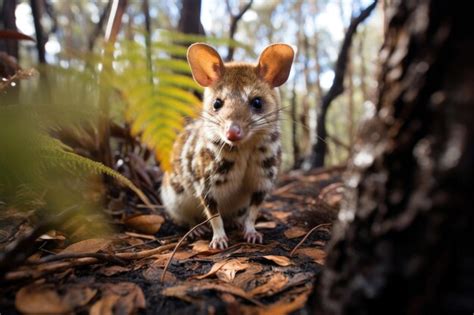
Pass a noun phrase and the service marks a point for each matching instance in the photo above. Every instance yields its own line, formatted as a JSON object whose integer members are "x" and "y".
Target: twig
{"x": 307, "y": 235}
{"x": 99, "y": 256}
{"x": 181, "y": 241}
{"x": 87, "y": 259}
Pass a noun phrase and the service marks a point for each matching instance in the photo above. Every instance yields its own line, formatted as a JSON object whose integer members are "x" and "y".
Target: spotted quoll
{"x": 226, "y": 161}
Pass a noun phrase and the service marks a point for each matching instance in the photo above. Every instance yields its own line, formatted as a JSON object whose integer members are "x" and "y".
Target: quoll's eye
{"x": 218, "y": 103}
{"x": 256, "y": 103}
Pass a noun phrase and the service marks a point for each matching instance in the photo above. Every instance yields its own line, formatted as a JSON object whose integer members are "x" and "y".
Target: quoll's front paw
{"x": 253, "y": 237}
{"x": 219, "y": 242}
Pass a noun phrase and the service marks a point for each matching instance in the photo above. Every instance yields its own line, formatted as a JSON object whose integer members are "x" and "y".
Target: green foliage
{"x": 36, "y": 169}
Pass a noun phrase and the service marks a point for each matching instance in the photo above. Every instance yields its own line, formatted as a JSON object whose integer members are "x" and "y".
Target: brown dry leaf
{"x": 52, "y": 235}
{"x": 153, "y": 273}
{"x": 294, "y": 232}
{"x": 282, "y": 307}
{"x": 279, "y": 260}
{"x": 119, "y": 298}
{"x": 181, "y": 291}
{"x": 112, "y": 270}
{"x": 92, "y": 245}
{"x": 281, "y": 215}
{"x": 201, "y": 246}
{"x": 276, "y": 282}
{"x": 317, "y": 254}
{"x": 218, "y": 265}
{"x": 227, "y": 272}
{"x": 146, "y": 223}
{"x": 45, "y": 299}
{"x": 104, "y": 306}
{"x": 246, "y": 279}
{"x": 266, "y": 225}
{"x": 162, "y": 259}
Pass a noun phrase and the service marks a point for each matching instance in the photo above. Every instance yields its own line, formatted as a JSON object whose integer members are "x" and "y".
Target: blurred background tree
{"x": 65, "y": 31}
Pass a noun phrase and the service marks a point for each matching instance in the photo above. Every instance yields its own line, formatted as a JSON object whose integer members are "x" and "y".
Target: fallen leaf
{"x": 200, "y": 246}
{"x": 92, "y": 245}
{"x": 218, "y": 265}
{"x": 282, "y": 307}
{"x": 294, "y": 232}
{"x": 52, "y": 235}
{"x": 45, "y": 298}
{"x": 266, "y": 225}
{"x": 112, "y": 270}
{"x": 279, "y": 260}
{"x": 276, "y": 282}
{"x": 181, "y": 291}
{"x": 153, "y": 273}
{"x": 317, "y": 254}
{"x": 227, "y": 272}
{"x": 162, "y": 259}
{"x": 119, "y": 298}
{"x": 281, "y": 215}
{"x": 247, "y": 280}
{"x": 146, "y": 223}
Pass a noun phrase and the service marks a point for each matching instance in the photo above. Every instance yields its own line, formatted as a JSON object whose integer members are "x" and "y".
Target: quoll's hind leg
{"x": 250, "y": 233}
{"x": 219, "y": 237}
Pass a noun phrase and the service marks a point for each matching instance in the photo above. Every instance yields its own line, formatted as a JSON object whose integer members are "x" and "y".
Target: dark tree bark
{"x": 10, "y": 47}
{"x": 234, "y": 21}
{"x": 37, "y": 7}
{"x": 190, "y": 19}
{"x": 403, "y": 244}
{"x": 294, "y": 128}
{"x": 336, "y": 89}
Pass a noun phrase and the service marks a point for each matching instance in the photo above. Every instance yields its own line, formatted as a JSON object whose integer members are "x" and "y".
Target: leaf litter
{"x": 120, "y": 273}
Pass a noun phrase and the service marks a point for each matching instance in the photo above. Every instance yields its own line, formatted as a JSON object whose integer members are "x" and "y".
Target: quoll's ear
{"x": 206, "y": 64}
{"x": 275, "y": 62}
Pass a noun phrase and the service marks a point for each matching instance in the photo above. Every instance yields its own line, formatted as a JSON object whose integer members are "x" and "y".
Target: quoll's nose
{"x": 234, "y": 133}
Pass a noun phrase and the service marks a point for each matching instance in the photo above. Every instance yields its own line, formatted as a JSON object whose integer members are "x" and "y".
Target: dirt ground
{"x": 122, "y": 273}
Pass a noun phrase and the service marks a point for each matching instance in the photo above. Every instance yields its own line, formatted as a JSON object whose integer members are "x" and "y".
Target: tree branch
{"x": 234, "y": 20}
{"x": 337, "y": 87}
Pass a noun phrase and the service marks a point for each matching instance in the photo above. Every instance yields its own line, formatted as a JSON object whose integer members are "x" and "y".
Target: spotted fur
{"x": 211, "y": 174}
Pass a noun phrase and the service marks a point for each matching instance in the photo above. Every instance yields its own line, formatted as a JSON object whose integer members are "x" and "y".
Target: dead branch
{"x": 234, "y": 20}
{"x": 307, "y": 235}
{"x": 337, "y": 87}
{"x": 80, "y": 260}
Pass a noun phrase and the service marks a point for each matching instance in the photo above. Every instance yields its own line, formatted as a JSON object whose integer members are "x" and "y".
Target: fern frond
{"x": 56, "y": 153}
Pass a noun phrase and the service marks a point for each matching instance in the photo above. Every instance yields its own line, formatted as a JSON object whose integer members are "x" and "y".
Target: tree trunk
{"x": 37, "y": 7}
{"x": 10, "y": 47}
{"x": 190, "y": 20}
{"x": 403, "y": 244}
{"x": 336, "y": 89}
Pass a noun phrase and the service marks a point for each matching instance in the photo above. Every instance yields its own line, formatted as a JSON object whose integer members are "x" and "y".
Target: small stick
{"x": 181, "y": 241}
{"x": 87, "y": 259}
{"x": 307, "y": 235}
{"x": 100, "y": 256}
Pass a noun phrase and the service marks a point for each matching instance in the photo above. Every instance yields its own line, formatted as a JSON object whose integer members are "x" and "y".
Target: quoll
{"x": 227, "y": 161}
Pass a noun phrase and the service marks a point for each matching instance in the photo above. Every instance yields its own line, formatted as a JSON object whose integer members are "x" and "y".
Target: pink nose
{"x": 234, "y": 133}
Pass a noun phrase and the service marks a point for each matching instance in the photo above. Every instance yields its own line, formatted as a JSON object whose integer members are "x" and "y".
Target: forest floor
{"x": 122, "y": 272}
